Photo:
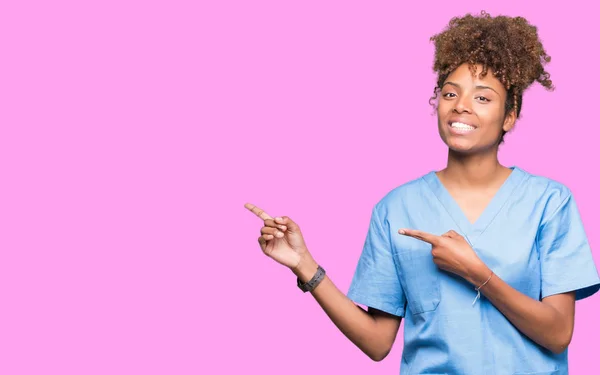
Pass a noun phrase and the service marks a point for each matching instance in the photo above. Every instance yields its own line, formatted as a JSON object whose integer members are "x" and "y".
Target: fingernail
{"x": 402, "y": 231}
{"x": 279, "y": 234}
{"x": 278, "y": 219}
{"x": 282, "y": 227}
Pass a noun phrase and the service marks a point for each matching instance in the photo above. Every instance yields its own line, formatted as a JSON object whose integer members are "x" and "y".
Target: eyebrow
{"x": 478, "y": 87}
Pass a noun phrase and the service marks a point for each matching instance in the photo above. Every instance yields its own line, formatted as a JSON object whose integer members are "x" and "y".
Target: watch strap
{"x": 311, "y": 284}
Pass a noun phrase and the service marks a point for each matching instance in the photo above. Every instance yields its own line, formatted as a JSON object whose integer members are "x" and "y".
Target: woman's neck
{"x": 473, "y": 171}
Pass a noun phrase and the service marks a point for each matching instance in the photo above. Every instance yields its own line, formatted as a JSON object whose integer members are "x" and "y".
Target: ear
{"x": 509, "y": 121}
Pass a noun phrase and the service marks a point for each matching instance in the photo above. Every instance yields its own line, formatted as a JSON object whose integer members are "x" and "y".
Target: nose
{"x": 463, "y": 104}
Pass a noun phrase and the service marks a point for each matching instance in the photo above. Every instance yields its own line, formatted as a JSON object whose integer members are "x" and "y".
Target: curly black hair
{"x": 507, "y": 46}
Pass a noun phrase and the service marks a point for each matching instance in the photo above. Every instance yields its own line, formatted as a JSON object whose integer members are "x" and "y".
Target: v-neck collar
{"x": 490, "y": 211}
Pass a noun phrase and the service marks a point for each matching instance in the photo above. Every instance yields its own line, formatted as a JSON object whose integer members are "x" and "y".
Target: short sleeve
{"x": 376, "y": 283}
{"x": 566, "y": 258}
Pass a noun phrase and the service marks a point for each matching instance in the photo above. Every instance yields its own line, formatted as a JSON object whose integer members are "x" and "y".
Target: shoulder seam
{"x": 558, "y": 208}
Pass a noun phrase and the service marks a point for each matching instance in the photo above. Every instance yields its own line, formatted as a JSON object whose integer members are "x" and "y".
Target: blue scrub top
{"x": 530, "y": 235}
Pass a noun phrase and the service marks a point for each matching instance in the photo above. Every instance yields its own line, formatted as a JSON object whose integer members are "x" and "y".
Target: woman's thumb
{"x": 289, "y": 223}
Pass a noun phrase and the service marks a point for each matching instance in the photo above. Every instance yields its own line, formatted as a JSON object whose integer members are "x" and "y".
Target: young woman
{"x": 483, "y": 263}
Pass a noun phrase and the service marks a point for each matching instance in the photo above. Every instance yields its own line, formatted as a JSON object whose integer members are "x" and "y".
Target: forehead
{"x": 464, "y": 76}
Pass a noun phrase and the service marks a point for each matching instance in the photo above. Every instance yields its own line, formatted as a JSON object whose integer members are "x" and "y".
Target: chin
{"x": 464, "y": 147}
{"x": 475, "y": 143}
{"x": 461, "y": 146}
{"x": 462, "y": 150}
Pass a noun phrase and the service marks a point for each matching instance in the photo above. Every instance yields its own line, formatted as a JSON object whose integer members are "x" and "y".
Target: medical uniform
{"x": 530, "y": 235}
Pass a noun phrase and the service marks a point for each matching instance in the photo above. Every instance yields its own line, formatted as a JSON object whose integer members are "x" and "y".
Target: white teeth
{"x": 460, "y": 125}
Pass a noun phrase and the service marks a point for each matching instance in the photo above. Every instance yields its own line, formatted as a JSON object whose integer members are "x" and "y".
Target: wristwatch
{"x": 311, "y": 284}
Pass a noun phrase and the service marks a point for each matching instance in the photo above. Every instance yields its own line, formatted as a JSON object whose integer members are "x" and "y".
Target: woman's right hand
{"x": 281, "y": 239}
{"x": 373, "y": 333}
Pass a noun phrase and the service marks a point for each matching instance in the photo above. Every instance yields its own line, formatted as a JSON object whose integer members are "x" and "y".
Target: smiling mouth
{"x": 461, "y": 128}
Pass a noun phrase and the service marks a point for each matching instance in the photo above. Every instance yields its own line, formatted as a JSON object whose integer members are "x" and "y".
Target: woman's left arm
{"x": 548, "y": 322}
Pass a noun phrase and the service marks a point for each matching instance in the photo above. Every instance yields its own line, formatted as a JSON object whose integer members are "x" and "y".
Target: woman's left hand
{"x": 451, "y": 252}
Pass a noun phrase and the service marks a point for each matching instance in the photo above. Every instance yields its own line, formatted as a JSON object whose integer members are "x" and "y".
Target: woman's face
{"x": 471, "y": 111}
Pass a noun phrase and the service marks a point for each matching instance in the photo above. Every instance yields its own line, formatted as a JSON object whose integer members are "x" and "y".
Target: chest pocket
{"x": 420, "y": 276}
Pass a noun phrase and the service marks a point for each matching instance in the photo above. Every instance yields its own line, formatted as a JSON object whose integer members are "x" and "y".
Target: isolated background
{"x": 133, "y": 132}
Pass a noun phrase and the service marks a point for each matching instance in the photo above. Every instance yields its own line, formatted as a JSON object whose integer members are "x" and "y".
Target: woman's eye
{"x": 449, "y": 95}
{"x": 483, "y": 98}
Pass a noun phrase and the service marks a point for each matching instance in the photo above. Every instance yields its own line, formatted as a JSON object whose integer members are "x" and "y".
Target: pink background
{"x": 132, "y": 133}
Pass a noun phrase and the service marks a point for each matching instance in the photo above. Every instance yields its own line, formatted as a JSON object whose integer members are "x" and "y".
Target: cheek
{"x": 443, "y": 107}
{"x": 492, "y": 118}
{"x": 443, "y": 130}
{"x": 442, "y": 112}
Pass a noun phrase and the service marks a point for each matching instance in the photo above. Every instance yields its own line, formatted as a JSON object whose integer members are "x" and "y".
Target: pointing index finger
{"x": 419, "y": 235}
{"x": 257, "y": 211}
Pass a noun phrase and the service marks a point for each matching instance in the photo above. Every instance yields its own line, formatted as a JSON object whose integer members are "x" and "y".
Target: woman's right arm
{"x": 373, "y": 332}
